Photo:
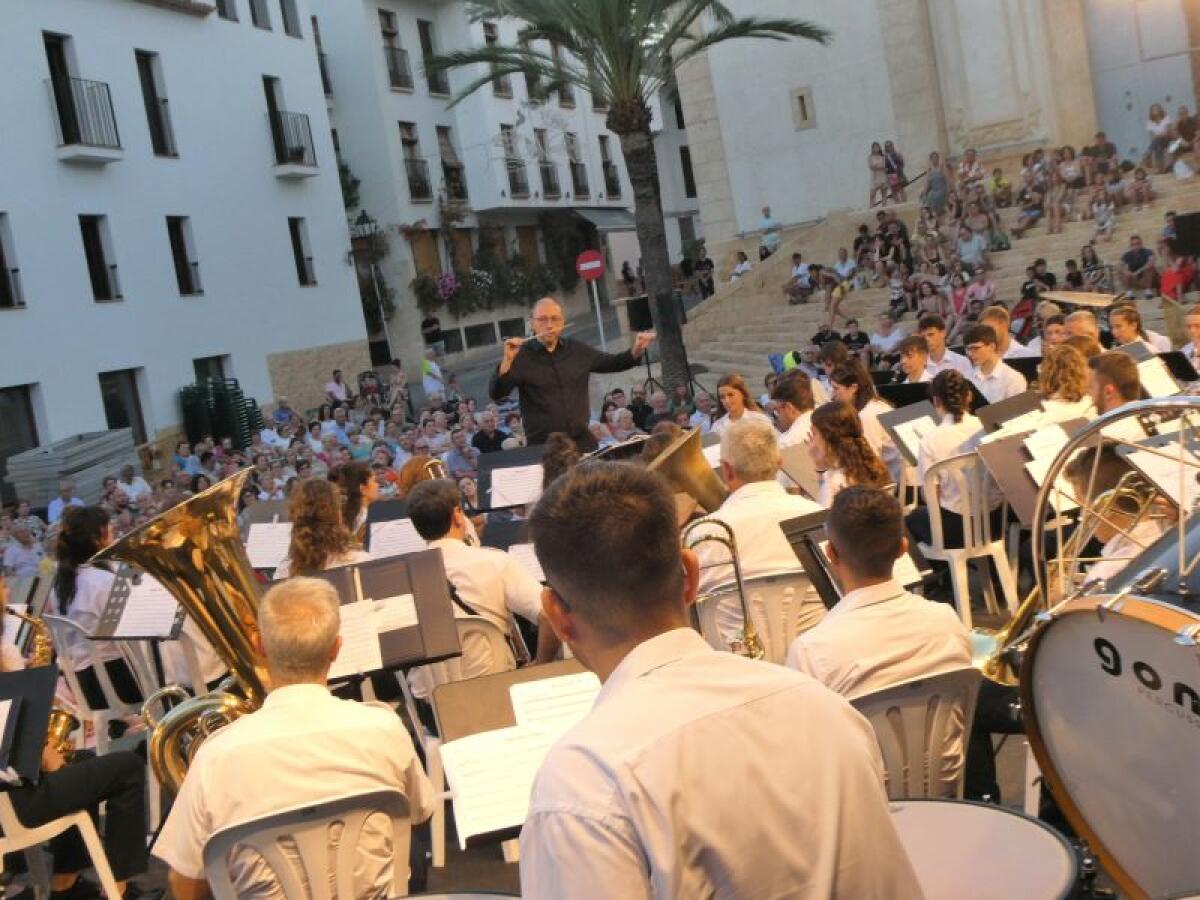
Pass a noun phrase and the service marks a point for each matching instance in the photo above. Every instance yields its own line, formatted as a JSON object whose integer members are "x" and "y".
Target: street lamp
{"x": 364, "y": 232}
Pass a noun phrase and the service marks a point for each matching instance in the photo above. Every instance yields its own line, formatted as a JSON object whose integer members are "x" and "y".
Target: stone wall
{"x": 709, "y": 166}
{"x": 301, "y": 375}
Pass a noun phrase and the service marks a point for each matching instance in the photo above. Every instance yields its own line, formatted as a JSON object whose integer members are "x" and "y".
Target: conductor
{"x": 551, "y": 372}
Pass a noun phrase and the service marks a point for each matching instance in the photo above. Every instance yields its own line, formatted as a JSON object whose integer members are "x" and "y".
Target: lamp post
{"x": 366, "y": 231}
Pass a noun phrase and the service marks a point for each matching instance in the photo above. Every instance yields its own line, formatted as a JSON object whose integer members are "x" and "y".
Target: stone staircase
{"x": 744, "y": 322}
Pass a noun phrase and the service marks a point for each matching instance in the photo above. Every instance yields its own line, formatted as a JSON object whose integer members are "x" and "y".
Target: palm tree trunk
{"x": 640, "y": 161}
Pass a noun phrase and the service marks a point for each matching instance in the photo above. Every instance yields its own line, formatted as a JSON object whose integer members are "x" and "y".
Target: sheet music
{"x": 6, "y": 707}
{"x": 798, "y": 465}
{"x": 913, "y": 431}
{"x": 1025, "y": 422}
{"x": 395, "y": 537}
{"x": 267, "y": 545}
{"x": 523, "y": 553}
{"x": 516, "y": 485}
{"x": 491, "y": 777}
{"x": 712, "y": 453}
{"x": 394, "y": 613}
{"x": 1156, "y": 378}
{"x": 150, "y": 611}
{"x": 1061, "y": 499}
{"x": 360, "y": 641}
{"x": 1165, "y": 473}
{"x": 554, "y": 704}
{"x": 1046, "y": 442}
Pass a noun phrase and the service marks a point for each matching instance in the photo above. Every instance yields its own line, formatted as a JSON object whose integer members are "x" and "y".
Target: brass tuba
{"x": 684, "y": 466}
{"x": 195, "y": 551}
{"x": 41, "y": 653}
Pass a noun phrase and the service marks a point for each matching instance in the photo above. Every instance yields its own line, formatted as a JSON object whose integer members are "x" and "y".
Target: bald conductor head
{"x": 547, "y": 320}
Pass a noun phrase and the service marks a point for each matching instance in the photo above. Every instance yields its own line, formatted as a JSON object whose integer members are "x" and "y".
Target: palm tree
{"x": 624, "y": 51}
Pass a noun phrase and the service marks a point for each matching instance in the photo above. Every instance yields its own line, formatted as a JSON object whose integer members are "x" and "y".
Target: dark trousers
{"x": 994, "y": 714}
{"x": 83, "y": 784}
{"x": 952, "y": 526}
{"x": 122, "y": 680}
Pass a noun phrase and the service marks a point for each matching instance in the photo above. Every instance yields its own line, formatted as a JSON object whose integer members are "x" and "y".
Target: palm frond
{"x": 766, "y": 29}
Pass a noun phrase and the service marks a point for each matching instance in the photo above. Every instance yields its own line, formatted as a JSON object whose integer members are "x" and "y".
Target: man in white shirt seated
{"x": 697, "y": 773}
{"x": 771, "y": 233}
{"x": 22, "y": 557}
{"x": 799, "y": 286}
{"x": 702, "y": 418}
{"x": 757, "y": 503}
{"x": 885, "y": 339}
{"x": 336, "y": 390}
{"x": 303, "y": 746}
{"x": 134, "y": 486}
{"x": 932, "y": 327}
{"x": 1006, "y": 344}
{"x": 1113, "y": 380}
{"x": 487, "y": 582}
{"x": 1054, "y": 332}
{"x": 879, "y": 634}
{"x": 1082, "y": 323}
{"x": 794, "y": 403}
{"x": 914, "y": 359}
{"x": 995, "y": 379}
{"x": 66, "y": 497}
{"x": 1125, "y": 322}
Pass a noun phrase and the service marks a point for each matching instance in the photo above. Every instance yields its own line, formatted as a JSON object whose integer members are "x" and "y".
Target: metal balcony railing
{"x": 550, "y": 186}
{"x": 579, "y": 180}
{"x": 292, "y": 136}
{"x": 437, "y": 79}
{"x": 419, "y": 185}
{"x": 84, "y": 112}
{"x": 612, "y": 181}
{"x": 456, "y": 181}
{"x": 518, "y": 178}
{"x": 399, "y": 71}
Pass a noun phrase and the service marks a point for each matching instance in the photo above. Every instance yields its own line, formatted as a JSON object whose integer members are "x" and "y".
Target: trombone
{"x": 747, "y": 642}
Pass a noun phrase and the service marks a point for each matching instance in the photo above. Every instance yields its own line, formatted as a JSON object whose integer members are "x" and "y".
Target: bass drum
{"x": 1110, "y": 686}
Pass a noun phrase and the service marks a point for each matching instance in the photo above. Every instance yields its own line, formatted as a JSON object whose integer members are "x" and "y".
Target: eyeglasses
{"x": 975, "y": 348}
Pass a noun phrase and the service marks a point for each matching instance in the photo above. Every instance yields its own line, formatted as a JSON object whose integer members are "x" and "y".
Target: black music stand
{"x": 901, "y": 395}
{"x": 35, "y": 688}
{"x": 502, "y": 535}
{"x": 898, "y": 417}
{"x": 1026, "y": 365}
{"x": 503, "y": 459}
{"x": 1179, "y": 366}
{"x": 1005, "y": 460}
{"x": 994, "y": 415}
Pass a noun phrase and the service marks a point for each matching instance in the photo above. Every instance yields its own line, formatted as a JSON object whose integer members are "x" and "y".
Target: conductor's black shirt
{"x": 553, "y": 387}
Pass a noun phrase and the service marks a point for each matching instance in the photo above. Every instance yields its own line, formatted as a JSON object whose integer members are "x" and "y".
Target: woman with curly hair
{"x": 840, "y": 453}
{"x": 1063, "y": 385}
{"x": 852, "y": 384}
{"x": 320, "y": 539}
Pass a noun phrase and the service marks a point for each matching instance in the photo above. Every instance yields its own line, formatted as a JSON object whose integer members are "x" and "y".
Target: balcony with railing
{"x": 612, "y": 181}
{"x": 579, "y": 180}
{"x": 399, "y": 71}
{"x": 323, "y": 65}
{"x": 455, "y": 177}
{"x": 84, "y": 120}
{"x": 518, "y": 178}
{"x": 10, "y": 289}
{"x": 438, "y": 80}
{"x": 550, "y": 186}
{"x": 420, "y": 188}
{"x": 291, "y": 134}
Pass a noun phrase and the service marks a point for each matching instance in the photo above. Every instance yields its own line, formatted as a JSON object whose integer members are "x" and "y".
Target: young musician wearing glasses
{"x": 995, "y": 379}
{"x": 636, "y": 800}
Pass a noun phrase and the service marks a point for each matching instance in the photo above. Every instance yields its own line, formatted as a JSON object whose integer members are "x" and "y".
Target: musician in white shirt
{"x": 995, "y": 379}
{"x": 1082, "y": 323}
{"x": 736, "y": 403}
{"x": 319, "y": 540}
{"x": 1192, "y": 348}
{"x": 840, "y": 453}
{"x": 636, "y": 800}
{"x": 1113, "y": 380}
{"x": 1008, "y": 346}
{"x": 958, "y": 432}
{"x": 932, "y": 327}
{"x": 914, "y": 359}
{"x": 301, "y": 747}
{"x": 1054, "y": 332}
{"x": 880, "y": 635}
{"x": 488, "y": 582}
{"x": 754, "y": 508}
{"x": 794, "y": 405}
{"x": 853, "y": 384}
{"x": 1062, "y": 384}
{"x": 1126, "y": 324}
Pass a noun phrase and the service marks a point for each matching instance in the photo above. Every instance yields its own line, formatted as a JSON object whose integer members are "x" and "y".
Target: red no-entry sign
{"x": 590, "y": 265}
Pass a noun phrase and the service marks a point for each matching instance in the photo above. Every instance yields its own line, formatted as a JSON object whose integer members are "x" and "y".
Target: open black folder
{"x": 33, "y": 693}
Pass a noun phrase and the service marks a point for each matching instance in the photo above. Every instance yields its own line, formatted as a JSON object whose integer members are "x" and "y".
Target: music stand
{"x": 901, "y": 395}
{"x": 434, "y": 637}
{"x": 805, "y": 534}
{"x": 35, "y": 688}
{"x": 1026, "y": 365}
{"x": 994, "y": 415}
{"x": 894, "y": 423}
{"x": 266, "y": 511}
{"x": 1179, "y": 366}
{"x": 1005, "y": 459}
{"x": 502, "y": 535}
{"x": 503, "y": 459}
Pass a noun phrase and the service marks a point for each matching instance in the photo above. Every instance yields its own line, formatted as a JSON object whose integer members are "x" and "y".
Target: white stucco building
{"x": 790, "y": 123}
{"x": 169, "y": 208}
{"x": 503, "y": 166}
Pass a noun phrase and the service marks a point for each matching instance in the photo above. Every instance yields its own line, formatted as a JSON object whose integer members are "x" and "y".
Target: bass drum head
{"x": 1112, "y": 704}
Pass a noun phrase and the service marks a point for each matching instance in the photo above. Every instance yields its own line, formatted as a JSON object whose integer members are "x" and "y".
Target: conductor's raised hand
{"x": 641, "y": 341}
{"x": 512, "y": 346}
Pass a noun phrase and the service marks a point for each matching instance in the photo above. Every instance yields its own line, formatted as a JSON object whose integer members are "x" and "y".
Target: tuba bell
{"x": 195, "y": 551}
{"x": 684, "y": 466}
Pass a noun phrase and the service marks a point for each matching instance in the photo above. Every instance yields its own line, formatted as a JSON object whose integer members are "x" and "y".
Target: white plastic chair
{"x": 970, "y": 476}
{"x": 17, "y": 837}
{"x": 486, "y": 648}
{"x": 914, "y": 728}
{"x": 781, "y": 607}
{"x": 307, "y": 828}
